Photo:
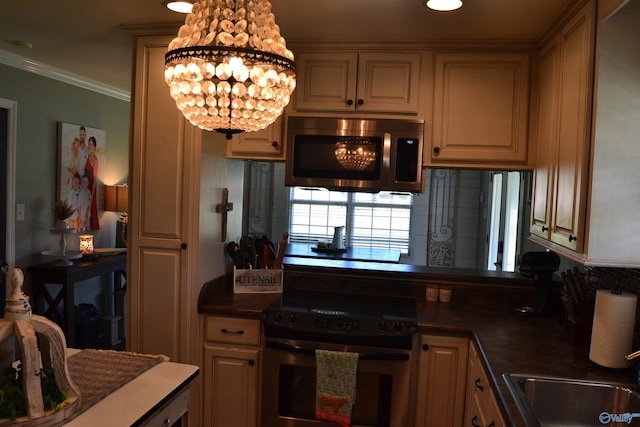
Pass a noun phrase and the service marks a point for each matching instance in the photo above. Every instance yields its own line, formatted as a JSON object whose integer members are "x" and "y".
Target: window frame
{"x": 351, "y": 205}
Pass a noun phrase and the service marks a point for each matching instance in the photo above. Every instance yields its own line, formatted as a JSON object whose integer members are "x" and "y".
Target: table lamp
{"x": 116, "y": 199}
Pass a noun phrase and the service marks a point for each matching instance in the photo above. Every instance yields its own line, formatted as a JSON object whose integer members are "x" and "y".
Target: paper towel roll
{"x": 614, "y": 320}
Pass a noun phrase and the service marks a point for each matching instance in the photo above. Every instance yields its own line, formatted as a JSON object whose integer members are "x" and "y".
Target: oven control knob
{"x": 398, "y": 327}
{"x": 293, "y": 318}
{"x": 277, "y": 317}
{"x": 382, "y": 326}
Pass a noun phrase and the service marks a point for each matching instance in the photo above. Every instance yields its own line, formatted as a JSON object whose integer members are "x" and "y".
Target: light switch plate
{"x": 20, "y": 212}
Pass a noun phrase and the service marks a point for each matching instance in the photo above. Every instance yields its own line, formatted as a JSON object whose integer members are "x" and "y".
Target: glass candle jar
{"x": 86, "y": 244}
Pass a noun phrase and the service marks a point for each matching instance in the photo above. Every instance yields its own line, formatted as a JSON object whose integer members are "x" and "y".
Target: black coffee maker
{"x": 539, "y": 266}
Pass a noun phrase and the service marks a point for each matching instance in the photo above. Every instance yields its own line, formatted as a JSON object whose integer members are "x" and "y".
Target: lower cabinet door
{"x": 442, "y": 375}
{"x": 230, "y": 387}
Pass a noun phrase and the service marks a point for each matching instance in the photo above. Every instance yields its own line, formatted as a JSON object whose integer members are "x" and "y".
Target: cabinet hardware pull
{"x": 251, "y": 362}
{"x": 436, "y": 150}
{"x": 183, "y": 246}
{"x": 477, "y": 383}
{"x": 274, "y": 144}
{"x": 167, "y": 421}
{"x": 349, "y": 101}
{"x": 360, "y": 101}
{"x": 492, "y": 424}
{"x": 473, "y": 421}
{"x": 295, "y": 349}
{"x": 545, "y": 228}
{"x": 425, "y": 347}
{"x": 226, "y": 331}
{"x": 572, "y": 238}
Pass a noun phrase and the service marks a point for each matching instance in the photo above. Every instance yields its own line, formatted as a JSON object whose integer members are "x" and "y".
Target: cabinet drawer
{"x": 233, "y": 330}
{"x": 169, "y": 414}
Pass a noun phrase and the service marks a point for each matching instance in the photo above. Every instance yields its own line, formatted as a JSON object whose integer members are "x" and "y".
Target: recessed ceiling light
{"x": 180, "y": 6}
{"x": 443, "y": 5}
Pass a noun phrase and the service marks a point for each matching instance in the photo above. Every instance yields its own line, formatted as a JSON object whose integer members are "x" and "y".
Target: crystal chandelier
{"x": 229, "y": 69}
{"x": 355, "y": 153}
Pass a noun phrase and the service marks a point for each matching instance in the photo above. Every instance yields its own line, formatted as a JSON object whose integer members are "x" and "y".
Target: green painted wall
{"x": 42, "y": 103}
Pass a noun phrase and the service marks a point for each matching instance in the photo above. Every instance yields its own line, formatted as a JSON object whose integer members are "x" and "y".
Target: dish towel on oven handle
{"x": 336, "y": 376}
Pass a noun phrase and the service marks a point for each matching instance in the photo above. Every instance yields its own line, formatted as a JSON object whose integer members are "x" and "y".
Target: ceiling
{"x": 90, "y": 38}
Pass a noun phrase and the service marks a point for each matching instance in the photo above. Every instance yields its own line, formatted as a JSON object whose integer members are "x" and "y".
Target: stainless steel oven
{"x": 383, "y": 340}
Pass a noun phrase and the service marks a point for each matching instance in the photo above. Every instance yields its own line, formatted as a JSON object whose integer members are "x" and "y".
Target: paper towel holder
{"x": 539, "y": 266}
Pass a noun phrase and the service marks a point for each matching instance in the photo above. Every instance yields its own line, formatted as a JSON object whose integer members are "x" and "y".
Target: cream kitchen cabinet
{"x": 266, "y": 144}
{"x": 172, "y": 222}
{"x": 480, "y": 111}
{"x": 563, "y": 133}
{"x": 367, "y": 82}
{"x": 481, "y": 409}
{"x": 161, "y": 240}
{"x": 231, "y": 372}
{"x": 442, "y": 373}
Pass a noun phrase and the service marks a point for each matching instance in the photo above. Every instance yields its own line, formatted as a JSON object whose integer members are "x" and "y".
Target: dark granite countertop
{"x": 508, "y": 343}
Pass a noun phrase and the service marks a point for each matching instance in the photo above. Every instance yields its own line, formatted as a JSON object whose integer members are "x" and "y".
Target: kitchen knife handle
{"x": 277, "y": 264}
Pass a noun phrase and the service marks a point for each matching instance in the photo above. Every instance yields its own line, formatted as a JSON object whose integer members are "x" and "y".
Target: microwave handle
{"x": 391, "y": 356}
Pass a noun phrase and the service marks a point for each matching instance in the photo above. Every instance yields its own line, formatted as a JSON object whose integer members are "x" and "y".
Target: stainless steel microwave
{"x": 351, "y": 154}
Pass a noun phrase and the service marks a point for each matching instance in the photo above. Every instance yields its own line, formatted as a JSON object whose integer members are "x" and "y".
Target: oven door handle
{"x": 386, "y": 356}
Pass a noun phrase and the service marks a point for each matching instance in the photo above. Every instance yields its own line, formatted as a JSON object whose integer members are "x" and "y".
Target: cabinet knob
{"x": 360, "y": 101}
{"x": 167, "y": 422}
{"x": 572, "y": 238}
{"x": 251, "y": 362}
{"x": 349, "y": 101}
{"x": 545, "y": 228}
{"x": 436, "y": 150}
{"x": 425, "y": 347}
{"x": 274, "y": 144}
{"x": 183, "y": 246}
{"x": 477, "y": 383}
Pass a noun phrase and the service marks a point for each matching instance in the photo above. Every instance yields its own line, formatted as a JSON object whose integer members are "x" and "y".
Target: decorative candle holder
{"x": 86, "y": 244}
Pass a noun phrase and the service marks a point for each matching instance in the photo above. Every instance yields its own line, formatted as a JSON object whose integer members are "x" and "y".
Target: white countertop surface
{"x": 128, "y": 404}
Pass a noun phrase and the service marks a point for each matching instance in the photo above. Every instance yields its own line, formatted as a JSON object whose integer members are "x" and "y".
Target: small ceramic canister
{"x": 445, "y": 294}
{"x": 432, "y": 293}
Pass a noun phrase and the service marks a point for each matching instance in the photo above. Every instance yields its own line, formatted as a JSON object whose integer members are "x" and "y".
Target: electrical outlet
{"x": 20, "y": 212}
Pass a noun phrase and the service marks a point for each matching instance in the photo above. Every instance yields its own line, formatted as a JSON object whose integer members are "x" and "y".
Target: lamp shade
{"x": 116, "y": 198}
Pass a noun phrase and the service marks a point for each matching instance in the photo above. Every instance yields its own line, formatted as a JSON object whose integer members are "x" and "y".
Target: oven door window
{"x": 338, "y": 157}
{"x": 297, "y": 395}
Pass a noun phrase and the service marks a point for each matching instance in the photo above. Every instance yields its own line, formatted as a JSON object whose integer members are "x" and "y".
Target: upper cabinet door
{"x": 265, "y": 144}
{"x": 547, "y": 135}
{"x": 388, "y": 83}
{"x": 366, "y": 82}
{"x": 480, "y": 111}
{"x": 574, "y": 124}
{"x": 326, "y": 81}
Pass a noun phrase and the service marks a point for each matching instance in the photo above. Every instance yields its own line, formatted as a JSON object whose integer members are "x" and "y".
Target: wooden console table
{"x": 61, "y": 305}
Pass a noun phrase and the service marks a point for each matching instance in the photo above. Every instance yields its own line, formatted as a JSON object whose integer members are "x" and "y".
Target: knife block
{"x": 579, "y": 320}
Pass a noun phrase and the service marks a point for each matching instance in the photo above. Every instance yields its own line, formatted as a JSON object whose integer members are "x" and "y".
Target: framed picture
{"x": 80, "y": 171}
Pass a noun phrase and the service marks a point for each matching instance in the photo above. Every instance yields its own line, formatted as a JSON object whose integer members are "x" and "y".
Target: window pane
{"x": 379, "y": 220}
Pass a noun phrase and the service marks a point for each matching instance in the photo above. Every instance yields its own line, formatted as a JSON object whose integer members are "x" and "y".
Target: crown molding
{"x": 44, "y": 70}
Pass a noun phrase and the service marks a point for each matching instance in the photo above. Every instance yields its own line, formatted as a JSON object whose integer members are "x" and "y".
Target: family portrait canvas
{"x": 81, "y": 160}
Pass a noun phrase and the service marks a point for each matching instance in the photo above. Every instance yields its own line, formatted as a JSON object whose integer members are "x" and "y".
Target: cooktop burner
{"x": 342, "y": 318}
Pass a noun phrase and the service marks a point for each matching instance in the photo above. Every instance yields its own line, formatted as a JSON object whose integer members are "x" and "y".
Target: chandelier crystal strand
{"x": 355, "y": 153}
{"x": 229, "y": 69}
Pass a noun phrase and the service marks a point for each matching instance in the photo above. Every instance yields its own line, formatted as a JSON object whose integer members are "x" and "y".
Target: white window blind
{"x": 380, "y": 220}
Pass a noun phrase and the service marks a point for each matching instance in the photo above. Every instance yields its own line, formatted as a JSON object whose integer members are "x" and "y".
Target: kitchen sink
{"x": 547, "y": 401}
